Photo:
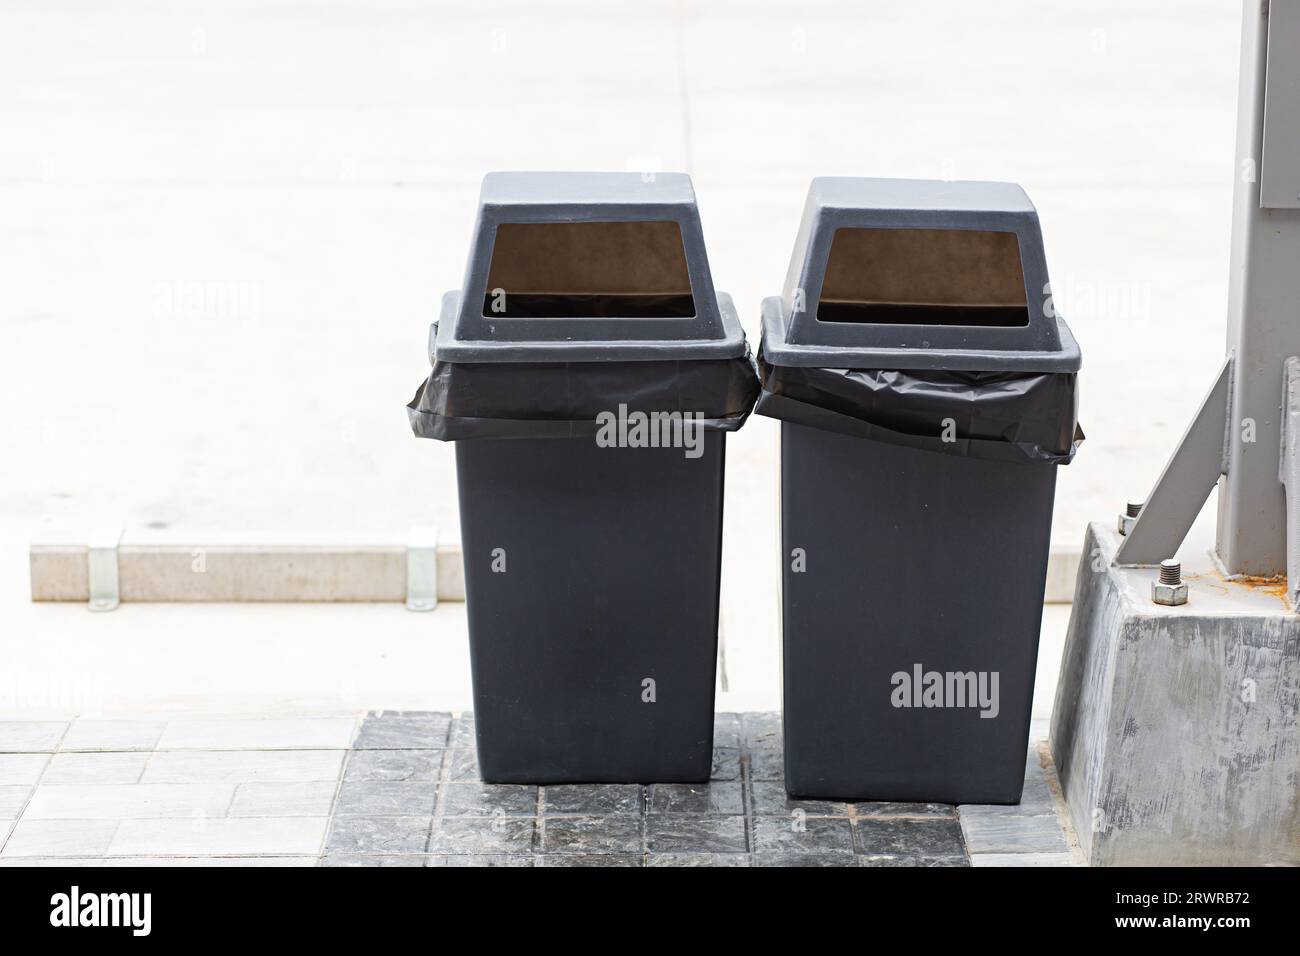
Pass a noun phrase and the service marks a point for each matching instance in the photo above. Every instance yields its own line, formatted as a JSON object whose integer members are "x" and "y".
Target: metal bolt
{"x": 1169, "y": 588}
{"x": 1129, "y": 517}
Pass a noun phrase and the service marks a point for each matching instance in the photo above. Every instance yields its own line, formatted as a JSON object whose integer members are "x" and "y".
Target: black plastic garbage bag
{"x": 1003, "y": 416}
{"x": 462, "y": 401}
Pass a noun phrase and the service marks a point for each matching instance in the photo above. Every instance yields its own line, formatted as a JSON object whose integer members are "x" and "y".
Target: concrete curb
{"x": 256, "y": 568}
{"x": 158, "y": 568}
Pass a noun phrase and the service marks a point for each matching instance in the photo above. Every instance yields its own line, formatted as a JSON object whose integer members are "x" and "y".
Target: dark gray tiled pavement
{"x": 410, "y": 796}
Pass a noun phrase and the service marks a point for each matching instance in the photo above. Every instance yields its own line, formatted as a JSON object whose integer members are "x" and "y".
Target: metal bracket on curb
{"x": 101, "y": 570}
{"x": 422, "y": 569}
{"x": 1188, "y": 479}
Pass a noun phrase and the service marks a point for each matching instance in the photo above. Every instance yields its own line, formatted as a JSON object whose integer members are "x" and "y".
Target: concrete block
{"x": 1175, "y": 728}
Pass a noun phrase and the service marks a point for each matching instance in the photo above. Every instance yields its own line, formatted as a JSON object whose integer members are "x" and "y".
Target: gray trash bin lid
{"x": 579, "y": 246}
{"x": 584, "y": 292}
{"x": 919, "y": 313}
{"x": 971, "y": 223}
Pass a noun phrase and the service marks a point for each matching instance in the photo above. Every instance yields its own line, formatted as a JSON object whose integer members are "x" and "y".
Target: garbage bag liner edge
{"x": 462, "y": 401}
{"x": 1003, "y": 416}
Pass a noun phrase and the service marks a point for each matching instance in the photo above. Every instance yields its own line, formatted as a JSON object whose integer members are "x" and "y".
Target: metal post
{"x": 1174, "y": 731}
{"x": 1264, "y": 287}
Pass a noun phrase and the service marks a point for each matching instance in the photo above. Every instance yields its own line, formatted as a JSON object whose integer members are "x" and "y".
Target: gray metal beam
{"x": 1264, "y": 288}
{"x": 1186, "y": 482}
{"x": 1279, "y": 173}
{"x": 1289, "y": 473}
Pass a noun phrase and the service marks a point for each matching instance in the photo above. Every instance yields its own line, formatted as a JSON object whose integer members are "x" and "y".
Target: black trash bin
{"x": 926, "y": 391}
{"x": 588, "y": 373}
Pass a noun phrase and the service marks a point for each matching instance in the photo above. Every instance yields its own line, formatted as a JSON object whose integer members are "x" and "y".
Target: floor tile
{"x": 1036, "y": 796}
{"x": 909, "y": 838}
{"x": 931, "y": 861}
{"x": 31, "y": 736}
{"x": 1021, "y": 859}
{"x": 394, "y": 765}
{"x": 761, "y": 731}
{"x": 350, "y": 859}
{"x": 246, "y": 766}
{"x": 378, "y": 835}
{"x": 329, "y": 733}
{"x": 616, "y": 834}
{"x": 403, "y": 732}
{"x": 991, "y": 811}
{"x": 60, "y": 838}
{"x": 770, "y": 799}
{"x": 287, "y": 836}
{"x": 766, "y": 765}
{"x": 693, "y": 832}
{"x": 129, "y": 801}
{"x": 312, "y": 799}
{"x": 697, "y": 859}
{"x": 726, "y": 730}
{"x": 470, "y": 799}
{"x": 213, "y": 861}
{"x": 479, "y": 859}
{"x": 80, "y": 768}
{"x": 392, "y": 798}
{"x": 462, "y": 765}
{"x": 478, "y": 835}
{"x": 590, "y": 859}
{"x": 21, "y": 768}
{"x": 722, "y": 796}
{"x": 411, "y": 795}
{"x": 813, "y": 834}
{"x": 113, "y": 735}
{"x": 726, "y": 764}
{"x": 596, "y": 799}
{"x": 461, "y": 736}
{"x": 80, "y": 862}
{"x": 1034, "y": 763}
{"x": 997, "y": 832}
{"x": 12, "y": 799}
{"x": 809, "y": 858}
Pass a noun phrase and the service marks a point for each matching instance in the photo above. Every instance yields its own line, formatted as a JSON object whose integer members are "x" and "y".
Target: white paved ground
{"x": 224, "y": 229}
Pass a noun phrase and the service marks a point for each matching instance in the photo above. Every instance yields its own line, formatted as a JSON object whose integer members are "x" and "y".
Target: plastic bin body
{"x": 591, "y": 558}
{"x": 611, "y": 578}
{"x": 913, "y": 564}
{"x": 921, "y": 559}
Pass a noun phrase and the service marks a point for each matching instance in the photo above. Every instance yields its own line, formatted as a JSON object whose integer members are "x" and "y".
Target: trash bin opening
{"x": 598, "y": 269}
{"x": 941, "y": 277}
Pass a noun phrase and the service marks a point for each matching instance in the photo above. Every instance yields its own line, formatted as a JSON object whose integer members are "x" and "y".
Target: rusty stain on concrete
{"x": 1274, "y": 585}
